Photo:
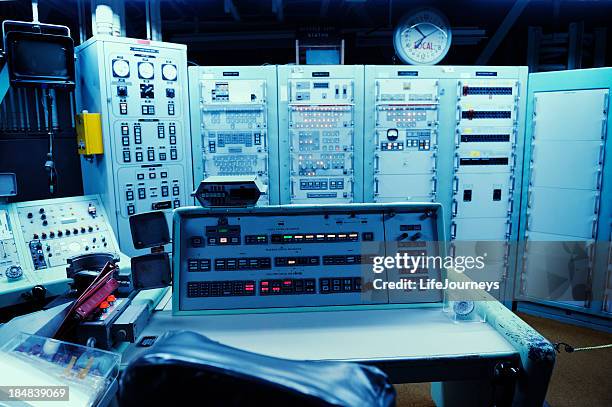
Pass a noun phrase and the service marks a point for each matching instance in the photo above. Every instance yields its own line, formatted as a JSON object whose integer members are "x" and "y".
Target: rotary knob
{"x": 14, "y": 273}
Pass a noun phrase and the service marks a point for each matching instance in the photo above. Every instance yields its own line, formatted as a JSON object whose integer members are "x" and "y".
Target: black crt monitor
{"x": 37, "y": 59}
{"x": 149, "y": 229}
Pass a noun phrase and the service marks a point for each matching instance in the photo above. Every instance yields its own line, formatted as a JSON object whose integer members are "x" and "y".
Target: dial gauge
{"x": 423, "y": 37}
{"x": 169, "y": 72}
{"x": 145, "y": 70}
{"x": 121, "y": 68}
{"x": 392, "y": 134}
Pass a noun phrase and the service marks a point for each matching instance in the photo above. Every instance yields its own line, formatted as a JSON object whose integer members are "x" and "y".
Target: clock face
{"x": 423, "y": 37}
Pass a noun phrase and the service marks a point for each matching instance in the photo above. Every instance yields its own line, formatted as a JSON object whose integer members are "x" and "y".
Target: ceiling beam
{"x": 277, "y": 8}
{"x": 502, "y": 31}
{"x": 230, "y": 8}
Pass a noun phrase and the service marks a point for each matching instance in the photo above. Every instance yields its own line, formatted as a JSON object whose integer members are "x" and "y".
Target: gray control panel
{"x": 406, "y": 121}
{"x": 321, "y": 118}
{"x": 298, "y": 256}
{"x": 234, "y": 124}
{"x": 38, "y": 237}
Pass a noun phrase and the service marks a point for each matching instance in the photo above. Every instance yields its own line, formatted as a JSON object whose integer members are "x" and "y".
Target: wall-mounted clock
{"x": 422, "y": 37}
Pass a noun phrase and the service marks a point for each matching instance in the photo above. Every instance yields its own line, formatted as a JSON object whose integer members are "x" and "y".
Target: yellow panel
{"x": 89, "y": 133}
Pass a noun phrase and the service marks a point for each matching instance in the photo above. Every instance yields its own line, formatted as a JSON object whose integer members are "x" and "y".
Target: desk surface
{"x": 365, "y": 335}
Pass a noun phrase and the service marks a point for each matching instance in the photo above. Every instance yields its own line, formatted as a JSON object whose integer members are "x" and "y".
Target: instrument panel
{"x": 56, "y": 231}
{"x": 298, "y": 256}
{"x": 406, "y": 121}
{"x": 140, "y": 88}
{"x": 38, "y": 237}
{"x": 234, "y": 124}
{"x": 320, "y": 118}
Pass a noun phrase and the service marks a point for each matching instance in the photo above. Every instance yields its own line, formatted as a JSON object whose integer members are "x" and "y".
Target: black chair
{"x": 186, "y": 368}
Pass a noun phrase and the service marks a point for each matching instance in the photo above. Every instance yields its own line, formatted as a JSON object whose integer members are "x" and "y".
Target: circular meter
{"x": 169, "y": 72}
{"x": 121, "y": 68}
{"x": 145, "y": 70}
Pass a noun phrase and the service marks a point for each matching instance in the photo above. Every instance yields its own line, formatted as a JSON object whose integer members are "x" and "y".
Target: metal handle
{"x": 594, "y": 227}
{"x": 508, "y": 229}
{"x": 454, "y": 207}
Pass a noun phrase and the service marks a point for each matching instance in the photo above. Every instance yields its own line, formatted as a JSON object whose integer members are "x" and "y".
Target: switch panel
{"x": 140, "y": 87}
{"x": 14, "y": 276}
{"x": 57, "y": 230}
{"x": 38, "y": 237}
{"x": 485, "y": 141}
{"x": 484, "y": 204}
{"x": 235, "y": 130}
{"x": 403, "y": 130}
{"x": 321, "y": 116}
{"x": 298, "y": 256}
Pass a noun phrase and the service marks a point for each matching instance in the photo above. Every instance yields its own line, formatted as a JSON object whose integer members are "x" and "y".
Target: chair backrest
{"x": 186, "y": 366}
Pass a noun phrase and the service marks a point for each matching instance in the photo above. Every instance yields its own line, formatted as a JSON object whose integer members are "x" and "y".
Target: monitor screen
{"x": 149, "y": 229}
{"x": 41, "y": 59}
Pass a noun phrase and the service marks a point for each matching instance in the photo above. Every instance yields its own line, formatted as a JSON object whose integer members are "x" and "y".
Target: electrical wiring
{"x": 571, "y": 349}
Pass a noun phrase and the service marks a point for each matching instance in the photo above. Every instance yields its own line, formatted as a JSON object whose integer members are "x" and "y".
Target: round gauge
{"x": 145, "y": 70}
{"x": 121, "y": 68}
{"x": 423, "y": 37}
{"x": 392, "y": 134}
{"x": 463, "y": 308}
{"x": 169, "y": 72}
{"x": 14, "y": 272}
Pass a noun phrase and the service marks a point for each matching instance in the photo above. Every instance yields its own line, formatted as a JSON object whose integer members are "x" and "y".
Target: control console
{"x": 38, "y": 237}
{"x": 56, "y": 230}
{"x": 299, "y": 256}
